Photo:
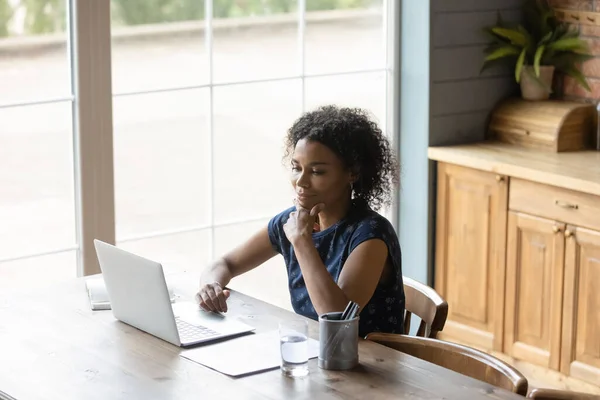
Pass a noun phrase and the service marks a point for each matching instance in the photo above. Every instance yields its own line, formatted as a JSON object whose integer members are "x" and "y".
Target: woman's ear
{"x": 354, "y": 175}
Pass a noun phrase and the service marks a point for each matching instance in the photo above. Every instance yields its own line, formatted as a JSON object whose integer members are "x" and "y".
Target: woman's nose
{"x": 303, "y": 181}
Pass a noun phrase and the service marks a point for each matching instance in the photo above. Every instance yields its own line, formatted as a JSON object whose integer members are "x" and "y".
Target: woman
{"x": 335, "y": 247}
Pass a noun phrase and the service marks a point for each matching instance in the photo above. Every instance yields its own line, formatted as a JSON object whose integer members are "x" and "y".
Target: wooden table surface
{"x": 52, "y": 346}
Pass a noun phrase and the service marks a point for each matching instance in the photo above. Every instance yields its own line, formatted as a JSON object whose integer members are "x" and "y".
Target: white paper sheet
{"x": 99, "y": 296}
{"x": 244, "y": 355}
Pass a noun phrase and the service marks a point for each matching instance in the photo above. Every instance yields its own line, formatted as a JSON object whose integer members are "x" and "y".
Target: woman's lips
{"x": 304, "y": 196}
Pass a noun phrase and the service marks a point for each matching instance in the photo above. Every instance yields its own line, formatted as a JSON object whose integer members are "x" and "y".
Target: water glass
{"x": 293, "y": 340}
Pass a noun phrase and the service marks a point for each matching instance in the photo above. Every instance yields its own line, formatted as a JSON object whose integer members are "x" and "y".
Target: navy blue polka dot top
{"x": 385, "y": 311}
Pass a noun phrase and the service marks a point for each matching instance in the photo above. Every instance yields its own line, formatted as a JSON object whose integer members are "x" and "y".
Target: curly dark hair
{"x": 359, "y": 142}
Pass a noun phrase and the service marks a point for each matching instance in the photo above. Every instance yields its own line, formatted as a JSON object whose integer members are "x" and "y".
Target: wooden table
{"x": 52, "y": 346}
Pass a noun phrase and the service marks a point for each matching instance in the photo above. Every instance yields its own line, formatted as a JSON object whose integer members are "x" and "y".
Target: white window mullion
{"x": 36, "y": 102}
{"x": 391, "y": 39}
{"x": 387, "y": 40}
{"x": 93, "y": 128}
{"x": 302, "y": 48}
{"x": 208, "y": 39}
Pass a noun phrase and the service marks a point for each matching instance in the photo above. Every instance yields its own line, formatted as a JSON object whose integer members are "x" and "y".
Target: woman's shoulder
{"x": 369, "y": 224}
{"x": 275, "y": 225}
{"x": 370, "y": 220}
{"x": 282, "y": 216}
{"x": 275, "y": 230}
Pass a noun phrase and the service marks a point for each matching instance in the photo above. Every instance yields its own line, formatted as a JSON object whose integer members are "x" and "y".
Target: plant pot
{"x": 534, "y": 88}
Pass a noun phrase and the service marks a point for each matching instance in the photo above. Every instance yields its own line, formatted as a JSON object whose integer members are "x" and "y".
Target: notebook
{"x": 98, "y": 295}
{"x": 244, "y": 355}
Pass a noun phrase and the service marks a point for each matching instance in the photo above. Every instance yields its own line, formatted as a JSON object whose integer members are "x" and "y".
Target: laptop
{"x": 139, "y": 297}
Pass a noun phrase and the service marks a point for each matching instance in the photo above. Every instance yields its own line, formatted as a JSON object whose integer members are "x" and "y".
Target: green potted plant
{"x": 537, "y": 48}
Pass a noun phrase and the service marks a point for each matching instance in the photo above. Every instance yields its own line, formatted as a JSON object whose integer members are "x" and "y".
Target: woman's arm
{"x": 249, "y": 255}
{"x": 357, "y": 282}
{"x": 360, "y": 274}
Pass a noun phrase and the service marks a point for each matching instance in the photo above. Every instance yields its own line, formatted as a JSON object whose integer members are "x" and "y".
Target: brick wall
{"x": 567, "y": 87}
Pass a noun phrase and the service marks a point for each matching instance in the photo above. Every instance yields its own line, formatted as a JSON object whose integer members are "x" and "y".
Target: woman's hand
{"x": 300, "y": 223}
{"x": 212, "y": 297}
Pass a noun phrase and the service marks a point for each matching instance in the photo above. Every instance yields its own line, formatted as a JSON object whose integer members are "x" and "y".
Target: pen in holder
{"x": 338, "y": 341}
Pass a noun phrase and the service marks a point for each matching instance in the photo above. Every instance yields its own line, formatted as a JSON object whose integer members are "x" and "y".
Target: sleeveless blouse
{"x": 385, "y": 311}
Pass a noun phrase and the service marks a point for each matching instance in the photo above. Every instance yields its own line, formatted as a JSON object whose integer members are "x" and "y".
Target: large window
{"x": 37, "y": 195}
{"x": 202, "y": 95}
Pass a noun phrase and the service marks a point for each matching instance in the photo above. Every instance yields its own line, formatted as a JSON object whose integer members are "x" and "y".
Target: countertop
{"x": 579, "y": 170}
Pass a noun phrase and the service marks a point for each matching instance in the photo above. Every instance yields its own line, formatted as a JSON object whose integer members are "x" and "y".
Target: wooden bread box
{"x": 550, "y": 125}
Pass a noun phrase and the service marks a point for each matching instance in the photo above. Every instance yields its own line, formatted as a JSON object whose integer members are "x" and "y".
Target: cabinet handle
{"x": 556, "y": 229}
{"x": 499, "y": 178}
{"x": 568, "y": 233}
{"x": 564, "y": 204}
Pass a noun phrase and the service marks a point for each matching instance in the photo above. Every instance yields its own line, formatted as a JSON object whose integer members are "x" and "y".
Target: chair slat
{"x": 462, "y": 359}
{"x": 552, "y": 394}
{"x": 407, "y": 319}
{"x": 424, "y": 302}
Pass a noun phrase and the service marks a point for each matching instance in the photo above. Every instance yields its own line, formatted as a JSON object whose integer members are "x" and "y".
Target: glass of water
{"x": 293, "y": 340}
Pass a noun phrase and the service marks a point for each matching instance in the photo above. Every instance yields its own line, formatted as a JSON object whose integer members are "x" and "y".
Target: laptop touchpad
{"x": 190, "y": 313}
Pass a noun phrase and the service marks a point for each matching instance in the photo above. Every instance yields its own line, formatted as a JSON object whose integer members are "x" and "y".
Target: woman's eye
{"x": 296, "y": 168}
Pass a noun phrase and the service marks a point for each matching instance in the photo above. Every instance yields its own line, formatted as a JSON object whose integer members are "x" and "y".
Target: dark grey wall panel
{"x": 461, "y": 63}
{"x": 461, "y": 98}
{"x": 458, "y": 128}
{"x": 473, "y": 5}
{"x": 470, "y": 95}
{"x": 465, "y": 28}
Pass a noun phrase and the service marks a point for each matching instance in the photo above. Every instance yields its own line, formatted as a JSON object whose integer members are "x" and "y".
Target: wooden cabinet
{"x": 534, "y": 284}
{"x": 580, "y": 356}
{"x": 552, "y": 301}
{"x": 471, "y": 226}
{"x": 517, "y": 254}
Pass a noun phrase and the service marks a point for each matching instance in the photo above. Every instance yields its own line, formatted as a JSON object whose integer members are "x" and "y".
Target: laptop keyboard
{"x": 191, "y": 333}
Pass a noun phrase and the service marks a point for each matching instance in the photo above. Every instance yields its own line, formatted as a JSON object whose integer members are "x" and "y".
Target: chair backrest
{"x": 424, "y": 302}
{"x": 552, "y": 394}
{"x": 462, "y": 359}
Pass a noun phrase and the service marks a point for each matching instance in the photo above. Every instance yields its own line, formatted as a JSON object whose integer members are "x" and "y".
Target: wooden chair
{"x": 552, "y": 394}
{"x": 424, "y": 302}
{"x": 458, "y": 358}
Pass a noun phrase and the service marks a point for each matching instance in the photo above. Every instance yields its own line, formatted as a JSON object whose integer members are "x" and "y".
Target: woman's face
{"x": 318, "y": 175}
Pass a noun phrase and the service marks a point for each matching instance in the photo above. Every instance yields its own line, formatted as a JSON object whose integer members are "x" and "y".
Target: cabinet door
{"x": 581, "y": 307}
{"x": 470, "y": 254}
{"x": 534, "y": 286}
